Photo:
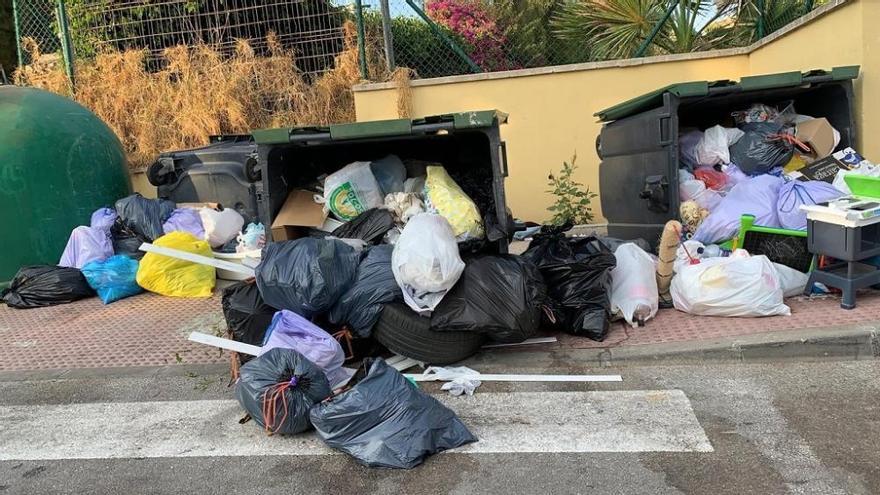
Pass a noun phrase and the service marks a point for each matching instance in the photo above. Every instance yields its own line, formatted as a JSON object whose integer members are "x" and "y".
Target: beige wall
{"x": 551, "y": 114}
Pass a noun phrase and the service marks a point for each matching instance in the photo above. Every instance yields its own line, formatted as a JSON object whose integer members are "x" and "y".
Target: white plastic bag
{"x": 221, "y": 226}
{"x": 425, "y": 261}
{"x": 695, "y": 190}
{"x": 352, "y": 190}
{"x": 733, "y": 286}
{"x": 713, "y": 146}
{"x": 792, "y": 281}
{"x": 686, "y": 251}
{"x": 634, "y": 285}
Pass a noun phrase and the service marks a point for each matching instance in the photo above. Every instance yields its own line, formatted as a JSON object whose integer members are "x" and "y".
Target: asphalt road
{"x": 810, "y": 428}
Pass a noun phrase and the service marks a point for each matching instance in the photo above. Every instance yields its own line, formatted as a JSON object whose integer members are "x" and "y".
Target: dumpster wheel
{"x": 403, "y": 331}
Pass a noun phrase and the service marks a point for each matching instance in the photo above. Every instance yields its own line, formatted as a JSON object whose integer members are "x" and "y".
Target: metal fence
{"x": 311, "y": 29}
{"x": 433, "y": 38}
{"x": 450, "y": 37}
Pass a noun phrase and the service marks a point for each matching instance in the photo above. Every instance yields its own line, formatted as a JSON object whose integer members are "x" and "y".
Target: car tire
{"x": 403, "y": 331}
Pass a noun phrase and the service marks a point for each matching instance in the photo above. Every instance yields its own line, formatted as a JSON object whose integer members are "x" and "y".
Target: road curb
{"x": 850, "y": 342}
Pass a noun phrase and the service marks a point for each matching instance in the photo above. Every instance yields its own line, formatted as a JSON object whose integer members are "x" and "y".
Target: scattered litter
{"x": 536, "y": 340}
{"x": 459, "y": 379}
{"x": 253, "y": 237}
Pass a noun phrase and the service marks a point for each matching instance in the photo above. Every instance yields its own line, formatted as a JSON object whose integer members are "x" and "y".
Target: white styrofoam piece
{"x": 525, "y": 378}
{"x": 230, "y": 345}
{"x": 536, "y": 340}
{"x": 197, "y": 258}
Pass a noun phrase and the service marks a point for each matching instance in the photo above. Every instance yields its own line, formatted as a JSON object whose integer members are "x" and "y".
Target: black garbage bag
{"x": 284, "y": 384}
{"x": 306, "y": 276}
{"x": 760, "y": 149}
{"x": 369, "y": 226}
{"x": 126, "y": 241}
{"x": 373, "y": 287}
{"x": 385, "y": 421}
{"x": 39, "y": 286}
{"x": 144, "y": 216}
{"x": 247, "y": 316}
{"x": 577, "y": 272}
{"x": 500, "y": 296}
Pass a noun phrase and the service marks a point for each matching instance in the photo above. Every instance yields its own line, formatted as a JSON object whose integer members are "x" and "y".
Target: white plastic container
{"x": 236, "y": 258}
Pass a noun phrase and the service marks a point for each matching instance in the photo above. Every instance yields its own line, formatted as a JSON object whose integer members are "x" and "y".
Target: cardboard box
{"x": 819, "y": 135}
{"x": 299, "y": 213}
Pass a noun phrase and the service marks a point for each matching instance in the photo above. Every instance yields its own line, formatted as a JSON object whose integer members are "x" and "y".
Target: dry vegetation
{"x": 199, "y": 92}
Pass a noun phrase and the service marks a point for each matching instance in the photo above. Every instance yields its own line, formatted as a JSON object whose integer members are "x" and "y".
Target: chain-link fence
{"x": 433, "y": 38}
{"x": 311, "y": 29}
{"x": 450, "y": 37}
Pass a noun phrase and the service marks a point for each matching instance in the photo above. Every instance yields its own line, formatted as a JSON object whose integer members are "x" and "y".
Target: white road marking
{"x": 618, "y": 421}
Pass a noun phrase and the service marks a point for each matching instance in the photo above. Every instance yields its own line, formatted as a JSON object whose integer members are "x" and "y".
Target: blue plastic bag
{"x": 796, "y": 193}
{"x": 114, "y": 278}
{"x": 186, "y": 220}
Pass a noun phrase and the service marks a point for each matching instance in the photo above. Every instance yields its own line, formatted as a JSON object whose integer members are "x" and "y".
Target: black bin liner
{"x": 144, "y": 216}
{"x": 126, "y": 241}
{"x": 385, "y": 421}
{"x": 369, "y": 226}
{"x": 760, "y": 150}
{"x": 373, "y": 287}
{"x": 247, "y": 315}
{"x": 306, "y": 276}
{"x": 577, "y": 272}
{"x": 39, "y": 286}
{"x": 285, "y": 383}
{"x": 500, "y": 296}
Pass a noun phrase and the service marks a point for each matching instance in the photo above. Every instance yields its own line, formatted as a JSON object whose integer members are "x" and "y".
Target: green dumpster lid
{"x": 654, "y": 99}
{"x": 381, "y": 128}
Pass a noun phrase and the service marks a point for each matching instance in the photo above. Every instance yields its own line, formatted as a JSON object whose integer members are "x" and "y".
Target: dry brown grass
{"x": 402, "y": 78}
{"x": 199, "y": 92}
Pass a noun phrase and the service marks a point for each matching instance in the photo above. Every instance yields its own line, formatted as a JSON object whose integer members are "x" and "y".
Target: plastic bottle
{"x": 712, "y": 251}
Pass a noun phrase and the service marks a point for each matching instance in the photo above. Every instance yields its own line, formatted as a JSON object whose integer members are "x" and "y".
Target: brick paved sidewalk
{"x": 151, "y": 330}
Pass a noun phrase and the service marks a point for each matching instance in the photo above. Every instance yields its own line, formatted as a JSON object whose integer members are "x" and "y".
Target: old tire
{"x": 403, "y": 331}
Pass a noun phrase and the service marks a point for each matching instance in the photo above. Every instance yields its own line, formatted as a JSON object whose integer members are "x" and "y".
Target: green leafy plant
{"x": 573, "y": 199}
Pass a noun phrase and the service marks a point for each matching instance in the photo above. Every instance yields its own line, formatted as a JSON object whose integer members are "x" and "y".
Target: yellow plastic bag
{"x": 447, "y": 198}
{"x": 174, "y": 277}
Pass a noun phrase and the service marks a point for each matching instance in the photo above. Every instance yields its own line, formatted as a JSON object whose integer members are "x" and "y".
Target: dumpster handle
{"x": 663, "y": 129}
{"x": 503, "y": 152}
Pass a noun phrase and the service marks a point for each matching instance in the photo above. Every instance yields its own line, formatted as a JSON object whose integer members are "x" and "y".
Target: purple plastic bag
{"x": 756, "y": 196}
{"x": 86, "y": 244}
{"x": 103, "y": 219}
{"x": 291, "y": 331}
{"x": 186, "y": 220}
{"x": 796, "y": 193}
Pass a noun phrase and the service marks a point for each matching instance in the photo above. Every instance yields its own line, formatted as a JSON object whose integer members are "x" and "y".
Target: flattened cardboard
{"x": 298, "y": 213}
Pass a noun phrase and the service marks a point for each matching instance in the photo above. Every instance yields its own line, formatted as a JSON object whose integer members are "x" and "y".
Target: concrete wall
{"x": 551, "y": 109}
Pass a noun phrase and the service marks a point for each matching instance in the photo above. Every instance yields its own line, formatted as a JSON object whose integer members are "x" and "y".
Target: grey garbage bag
{"x": 374, "y": 287}
{"x": 283, "y": 384}
{"x": 306, "y": 276}
{"x": 144, "y": 216}
{"x": 385, "y": 421}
